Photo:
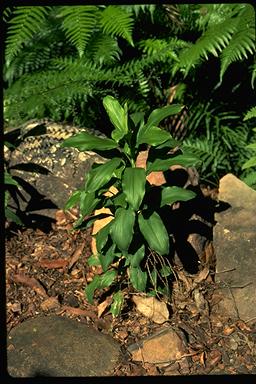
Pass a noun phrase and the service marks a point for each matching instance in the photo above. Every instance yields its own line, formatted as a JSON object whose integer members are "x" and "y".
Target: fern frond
{"x": 25, "y": 23}
{"x": 103, "y": 49}
{"x": 242, "y": 42}
{"x": 213, "y": 41}
{"x": 78, "y": 24}
{"x": 250, "y": 179}
{"x": 250, "y": 114}
{"x": 115, "y": 21}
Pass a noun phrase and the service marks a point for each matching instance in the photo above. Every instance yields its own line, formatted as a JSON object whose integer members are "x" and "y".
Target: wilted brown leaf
{"x": 76, "y": 255}
{"x": 50, "y": 303}
{"x": 152, "y": 308}
{"x": 79, "y": 312}
{"x": 102, "y": 306}
{"x": 53, "y": 264}
{"x": 29, "y": 282}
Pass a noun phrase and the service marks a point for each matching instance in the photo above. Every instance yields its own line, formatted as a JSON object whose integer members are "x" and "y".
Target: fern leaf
{"x": 242, "y": 42}
{"x": 251, "y": 113}
{"x": 25, "y": 23}
{"x": 78, "y": 24}
{"x": 115, "y": 21}
{"x": 103, "y": 49}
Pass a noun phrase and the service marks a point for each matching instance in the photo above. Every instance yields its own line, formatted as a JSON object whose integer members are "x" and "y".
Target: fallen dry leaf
{"x": 76, "y": 255}
{"x": 50, "y": 303}
{"x": 214, "y": 357}
{"x": 202, "y": 275}
{"x": 102, "y": 306}
{"x": 79, "y": 312}
{"x": 152, "y": 308}
{"x": 228, "y": 330}
{"x": 53, "y": 264}
{"x": 241, "y": 325}
{"x": 29, "y": 282}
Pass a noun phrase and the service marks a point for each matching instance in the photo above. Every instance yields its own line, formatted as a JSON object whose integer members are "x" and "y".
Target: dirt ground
{"x": 47, "y": 273}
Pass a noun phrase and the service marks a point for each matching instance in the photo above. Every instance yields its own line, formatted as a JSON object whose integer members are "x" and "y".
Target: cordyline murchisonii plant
{"x": 136, "y": 229}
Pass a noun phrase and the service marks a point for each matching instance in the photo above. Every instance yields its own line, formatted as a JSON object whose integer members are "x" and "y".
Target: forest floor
{"x": 47, "y": 273}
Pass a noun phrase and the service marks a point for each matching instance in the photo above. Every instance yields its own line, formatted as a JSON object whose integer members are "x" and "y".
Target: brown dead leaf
{"x": 102, "y": 306}
{"x": 53, "y": 264}
{"x": 214, "y": 357}
{"x": 202, "y": 275}
{"x": 50, "y": 303}
{"x": 79, "y": 312}
{"x": 152, "y": 308}
{"x": 15, "y": 307}
{"x": 29, "y": 282}
{"x": 228, "y": 330}
{"x": 202, "y": 359}
{"x": 76, "y": 255}
{"x": 60, "y": 217}
{"x": 241, "y": 325}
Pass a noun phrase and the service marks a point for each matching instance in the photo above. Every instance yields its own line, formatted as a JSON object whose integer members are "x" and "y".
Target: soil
{"x": 47, "y": 273}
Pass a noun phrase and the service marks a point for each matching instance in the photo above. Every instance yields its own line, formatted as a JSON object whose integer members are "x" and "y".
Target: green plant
{"x": 250, "y": 177}
{"x": 136, "y": 230}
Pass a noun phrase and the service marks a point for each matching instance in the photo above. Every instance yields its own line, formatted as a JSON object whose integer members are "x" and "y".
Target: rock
{"x": 235, "y": 248}
{"x": 152, "y": 308}
{"x": 57, "y": 346}
{"x": 159, "y": 349}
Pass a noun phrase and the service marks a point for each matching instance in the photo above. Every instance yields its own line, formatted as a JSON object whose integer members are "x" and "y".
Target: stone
{"x": 57, "y": 346}
{"x": 160, "y": 348}
{"x": 235, "y": 248}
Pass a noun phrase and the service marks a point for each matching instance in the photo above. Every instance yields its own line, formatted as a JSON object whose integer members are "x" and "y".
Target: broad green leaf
{"x": 10, "y": 215}
{"x": 88, "y": 202}
{"x": 250, "y": 163}
{"x": 159, "y": 114}
{"x": 138, "y": 278}
{"x": 156, "y": 117}
{"x": 107, "y": 278}
{"x": 170, "y": 195}
{"x": 133, "y": 183}
{"x": 101, "y": 175}
{"x": 87, "y": 142}
{"x": 9, "y": 180}
{"x": 118, "y": 116}
{"x": 136, "y": 259}
{"x": 154, "y": 232}
{"x": 153, "y": 277}
{"x": 91, "y": 287}
{"x": 120, "y": 200}
{"x": 122, "y": 228}
{"x": 153, "y": 136}
{"x": 102, "y": 236}
{"x": 117, "y": 304}
{"x": 186, "y": 160}
{"x": 73, "y": 200}
{"x": 107, "y": 258}
{"x": 93, "y": 260}
{"x": 6, "y": 198}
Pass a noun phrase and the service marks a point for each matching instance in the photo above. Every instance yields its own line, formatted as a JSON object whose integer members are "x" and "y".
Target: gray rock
{"x": 57, "y": 346}
{"x": 235, "y": 247}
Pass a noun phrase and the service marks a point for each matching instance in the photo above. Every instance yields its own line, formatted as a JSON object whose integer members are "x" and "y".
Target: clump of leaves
{"x": 250, "y": 178}
{"x": 136, "y": 231}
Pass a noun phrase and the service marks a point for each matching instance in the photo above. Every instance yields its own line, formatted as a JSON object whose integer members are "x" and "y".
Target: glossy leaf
{"x": 102, "y": 236}
{"x": 122, "y": 228}
{"x": 138, "y": 278}
{"x": 117, "y": 304}
{"x": 88, "y": 202}
{"x": 91, "y": 287}
{"x": 133, "y": 183}
{"x": 107, "y": 258}
{"x": 118, "y": 116}
{"x": 101, "y": 175}
{"x": 107, "y": 278}
{"x": 73, "y": 200}
{"x": 170, "y": 195}
{"x": 136, "y": 259}
{"x": 153, "y": 136}
{"x": 87, "y": 142}
{"x": 185, "y": 160}
{"x": 154, "y": 232}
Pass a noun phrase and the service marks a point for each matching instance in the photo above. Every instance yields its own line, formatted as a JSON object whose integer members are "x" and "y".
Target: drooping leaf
{"x": 250, "y": 163}
{"x": 185, "y": 160}
{"x": 133, "y": 183}
{"x": 107, "y": 258}
{"x": 117, "y": 304}
{"x": 102, "y": 236}
{"x": 107, "y": 278}
{"x": 9, "y": 180}
{"x": 88, "y": 202}
{"x": 73, "y": 200}
{"x": 87, "y": 142}
{"x": 170, "y": 195}
{"x": 155, "y": 233}
{"x": 122, "y": 228}
{"x": 153, "y": 136}
{"x": 118, "y": 116}
{"x": 10, "y": 215}
{"x": 138, "y": 256}
{"x": 101, "y": 175}
{"x": 91, "y": 287}
{"x": 138, "y": 278}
